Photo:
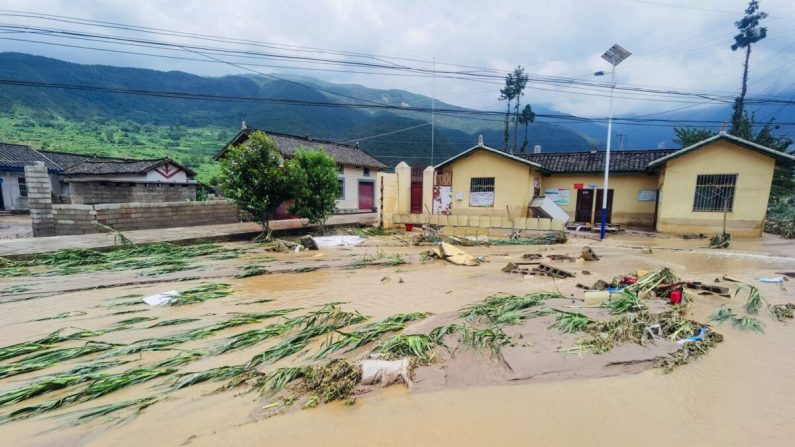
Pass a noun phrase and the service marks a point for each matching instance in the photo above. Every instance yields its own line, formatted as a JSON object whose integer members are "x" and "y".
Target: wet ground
{"x": 15, "y": 226}
{"x": 740, "y": 393}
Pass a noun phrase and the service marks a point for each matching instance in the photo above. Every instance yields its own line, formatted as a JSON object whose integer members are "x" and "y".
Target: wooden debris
{"x": 720, "y": 290}
{"x": 531, "y": 256}
{"x": 561, "y": 258}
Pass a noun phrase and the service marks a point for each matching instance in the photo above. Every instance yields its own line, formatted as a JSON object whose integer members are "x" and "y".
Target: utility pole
{"x": 433, "y": 108}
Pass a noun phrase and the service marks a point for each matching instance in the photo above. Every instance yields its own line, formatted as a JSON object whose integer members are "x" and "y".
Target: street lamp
{"x": 615, "y": 55}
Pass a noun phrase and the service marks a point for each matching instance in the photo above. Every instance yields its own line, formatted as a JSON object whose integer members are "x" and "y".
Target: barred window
{"x": 23, "y": 187}
{"x": 714, "y": 192}
{"x": 341, "y": 193}
{"x": 481, "y": 191}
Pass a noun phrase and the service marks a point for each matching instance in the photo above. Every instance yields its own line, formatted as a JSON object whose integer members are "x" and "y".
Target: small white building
{"x": 357, "y": 169}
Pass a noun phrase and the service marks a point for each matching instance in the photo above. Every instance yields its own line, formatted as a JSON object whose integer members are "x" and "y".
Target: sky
{"x": 675, "y": 44}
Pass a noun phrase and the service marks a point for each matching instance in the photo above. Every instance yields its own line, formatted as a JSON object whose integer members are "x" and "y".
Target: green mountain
{"x": 192, "y": 130}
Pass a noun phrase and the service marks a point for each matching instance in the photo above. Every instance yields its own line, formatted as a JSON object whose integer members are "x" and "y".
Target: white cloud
{"x": 681, "y": 47}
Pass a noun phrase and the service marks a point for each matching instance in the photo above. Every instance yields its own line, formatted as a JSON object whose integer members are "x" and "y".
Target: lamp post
{"x": 615, "y": 55}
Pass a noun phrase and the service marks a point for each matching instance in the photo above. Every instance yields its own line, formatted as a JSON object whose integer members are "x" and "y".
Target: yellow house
{"x": 689, "y": 190}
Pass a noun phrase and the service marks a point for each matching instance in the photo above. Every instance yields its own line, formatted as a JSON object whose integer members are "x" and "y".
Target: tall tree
{"x": 253, "y": 177}
{"x": 507, "y": 94}
{"x": 526, "y": 117}
{"x": 688, "y": 136}
{"x": 313, "y": 175}
{"x": 520, "y": 81}
{"x": 749, "y": 33}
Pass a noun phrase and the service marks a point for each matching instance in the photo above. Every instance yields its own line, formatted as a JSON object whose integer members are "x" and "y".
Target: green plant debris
{"x": 491, "y": 339}
{"x": 46, "y": 359}
{"x": 43, "y": 343}
{"x": 254, "y": 336}
{"x": 417, "y": 346}
{"x": 333, "y": 381}
{"x": 135, "y": 320}
{"x": 63, "y": 315}
{"x": 328, "y": 319}
{"x": 626, "y": 302}
{"x": 104, "y": 410}
{"x": 380, "y": 259}
{"x": 755, "y": 299}
{"x": 652, "y": 280}
{"x": 9, "y": 272}
{"x": 211, "y": 375}
{"x": 367, "y": 334}
{"x": 557, "y": 237}
{"x": 305, "y": 269}
{"x": 252, "y": 270}
{"x": 279, "y": 378}
{"x": 199, "y": 294}
{"x": 722, "y": 314}
{"x": 125, "y": 312}
{"x": 503, "y": 308}
{"x": 15, "y": 289}
{"x": 174, "y": 322}
{"x": 571, "y": 321}
{"x": 689, "y": 351}
{"x": 748, "y": 324}
{"x": 264, "y": 300}
{"x": 171, "y": 268}
{"x": 720, "y": 240}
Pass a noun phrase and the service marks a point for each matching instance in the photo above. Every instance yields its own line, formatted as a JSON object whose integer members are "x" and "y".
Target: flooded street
{"x": 740, "y": 393}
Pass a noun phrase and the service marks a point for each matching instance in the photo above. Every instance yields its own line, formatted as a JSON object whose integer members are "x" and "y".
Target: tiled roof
{"x": 121, "y": 167}
{"x": 68, "y": 159}
{"x": 19, "y": 156}
{"x": 620, "y": 161}
{"x": 344, "y": 154}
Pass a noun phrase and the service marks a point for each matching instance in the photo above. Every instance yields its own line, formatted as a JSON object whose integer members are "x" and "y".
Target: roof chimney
{"x": 480, "y": 140}
{"x": 243, "y": 126}
{"x": 537, "y": 149}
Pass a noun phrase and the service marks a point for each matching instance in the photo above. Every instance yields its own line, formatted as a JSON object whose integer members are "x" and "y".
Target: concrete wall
{"x": 89, "y": 193}
{"x": 513, "y": 184}
{"x": 83, "y": 219}
{"x": 40, "y": 199}
{"x": 627, "y": 209}
{"x": 754, "y": 176}
{"x": 352, "y": 175}
{"x": 12, "y": 200}
{"x": 387, "y": 184}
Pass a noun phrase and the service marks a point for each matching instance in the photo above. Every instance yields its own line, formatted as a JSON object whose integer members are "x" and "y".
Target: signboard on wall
{"x": 482, "y": 198}
{"x": 578, "y": 186}
{"x": 563, "y": 197}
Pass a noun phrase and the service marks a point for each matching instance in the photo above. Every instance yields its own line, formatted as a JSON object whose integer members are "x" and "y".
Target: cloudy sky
{"x": 679, "y": 45}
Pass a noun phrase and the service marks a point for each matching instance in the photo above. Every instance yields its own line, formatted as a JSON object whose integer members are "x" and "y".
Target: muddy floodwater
{"x": 742, "y": 392}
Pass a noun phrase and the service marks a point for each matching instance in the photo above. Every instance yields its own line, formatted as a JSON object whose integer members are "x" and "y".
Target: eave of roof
{"x": 500, "y": 153}
{"x": 780, "y": 156}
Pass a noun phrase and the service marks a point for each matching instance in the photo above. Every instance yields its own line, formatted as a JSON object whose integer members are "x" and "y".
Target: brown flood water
{"x": 741, "y": 393}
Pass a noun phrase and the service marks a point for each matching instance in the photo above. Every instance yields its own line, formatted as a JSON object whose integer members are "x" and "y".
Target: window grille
{"x": 23, "y": 187}
{"x": 341, "y": 193}
{"x": 481, "y": 184}
{"x": 366, "y": 172}
{"x": 714, "y": 192}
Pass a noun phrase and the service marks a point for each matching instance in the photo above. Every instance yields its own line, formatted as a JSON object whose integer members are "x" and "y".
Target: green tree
{"x": 688, "y": 136}
{"x": 749, "y": 33}
{"x": 507, "y": 94}
{"x": 252, "y": 175}
{"x": 520, "y": 82}
{"x": 526, "y": 117}
{"x": 313, "y": 175}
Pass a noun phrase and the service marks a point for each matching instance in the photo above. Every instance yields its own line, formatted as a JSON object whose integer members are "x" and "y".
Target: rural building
{"x": 673, "y": 191}
{"x": 89, "y": 180}
{"x": 357, "y": 169}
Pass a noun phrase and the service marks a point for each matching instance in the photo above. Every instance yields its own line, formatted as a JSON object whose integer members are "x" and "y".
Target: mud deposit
{"x": 535, "y": 393}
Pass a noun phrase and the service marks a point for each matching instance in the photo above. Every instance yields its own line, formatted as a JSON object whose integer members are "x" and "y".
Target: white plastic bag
{"x": 385, "y": 372}
{"x": 161, "y": 299}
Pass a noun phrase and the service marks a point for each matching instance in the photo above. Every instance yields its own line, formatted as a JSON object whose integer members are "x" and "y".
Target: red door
{"x": 366, "y": 195}
{"x": 416, "y": 189}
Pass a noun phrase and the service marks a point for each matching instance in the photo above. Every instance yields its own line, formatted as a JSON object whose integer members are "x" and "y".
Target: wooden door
{"x": 416, "y": 190}
{"x": 366, "y": 195}
{"x": 584, "y": 205}
{"x": 598, "y": 214}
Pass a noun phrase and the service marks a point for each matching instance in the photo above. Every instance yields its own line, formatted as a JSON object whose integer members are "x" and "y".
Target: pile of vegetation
{"x": 161, "y": 258}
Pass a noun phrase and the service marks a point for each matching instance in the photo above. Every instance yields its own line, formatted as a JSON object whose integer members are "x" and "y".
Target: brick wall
{"x": 40, "y": 199}
{"x": 82, "y": 219}
{"x": 89, "y": 193}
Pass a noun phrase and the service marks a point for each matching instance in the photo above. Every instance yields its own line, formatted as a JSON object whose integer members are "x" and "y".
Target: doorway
{"x": 416, "y": 189}
{"x": 589, "y": 202}
{"x": 366, "y": 195}
{"x": 2, "y": 205}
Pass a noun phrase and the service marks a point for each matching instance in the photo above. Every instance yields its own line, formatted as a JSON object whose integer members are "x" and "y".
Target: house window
{"x": 341, "y": 193}
{"x": 23, "y": 187}
{"x": 481, "y": 191}
{"x": 366, "y": 172}
{"x": 647, "y": 195}
{"x": 341, "y": 169}
{"x": 714, "y": 192}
